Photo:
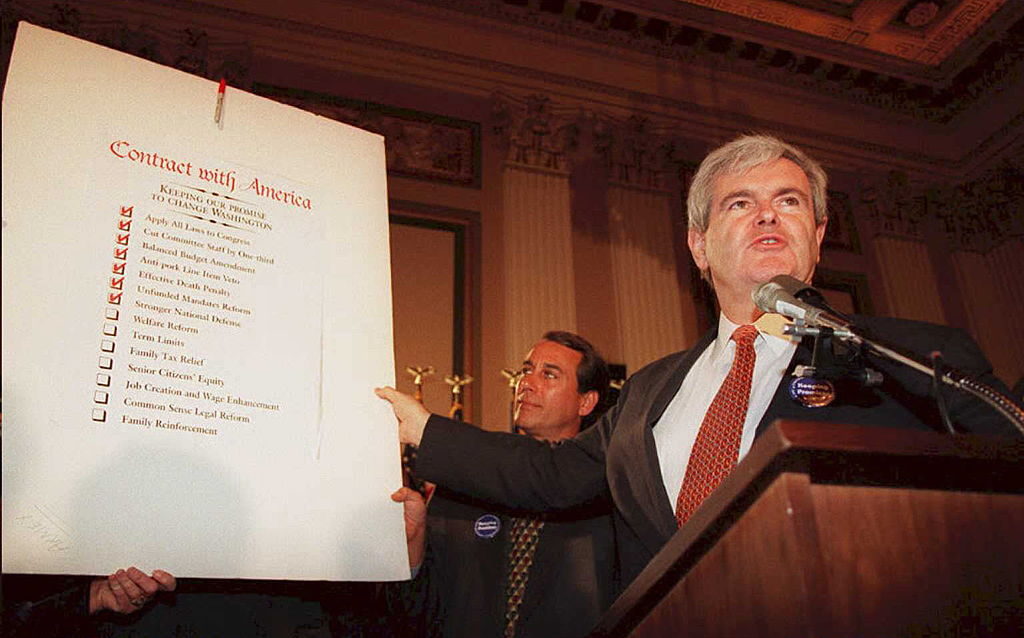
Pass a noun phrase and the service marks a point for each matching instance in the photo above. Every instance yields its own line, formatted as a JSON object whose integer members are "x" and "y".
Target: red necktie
{"x": 718, "y": 442}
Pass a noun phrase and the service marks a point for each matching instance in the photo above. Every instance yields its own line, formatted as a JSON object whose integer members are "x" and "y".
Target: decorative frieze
{"x": 892, "y": 207}
{"x": 636, "y": 151}
{"x": 983, "y": 214}
{"x": 418, "y": 144}
{"x": 534, "y": 131}
{"x": 537, "y": 132}
{"x": 931, "y": 95}
{"x": 973, "y": 216}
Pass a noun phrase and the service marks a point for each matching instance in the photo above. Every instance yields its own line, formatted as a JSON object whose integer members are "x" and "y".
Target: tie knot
{"x": 744, "y": 335}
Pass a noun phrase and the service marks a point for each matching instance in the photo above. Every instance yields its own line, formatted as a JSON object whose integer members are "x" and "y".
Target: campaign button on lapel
{"x": 487, "y": 526}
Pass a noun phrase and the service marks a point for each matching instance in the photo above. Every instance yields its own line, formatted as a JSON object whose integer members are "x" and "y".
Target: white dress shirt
{"x": 676, "y": 431}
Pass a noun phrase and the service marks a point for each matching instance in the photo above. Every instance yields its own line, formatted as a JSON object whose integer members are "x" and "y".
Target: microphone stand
{"x": 824, "y": 362}
{"x": 998, "y": 401}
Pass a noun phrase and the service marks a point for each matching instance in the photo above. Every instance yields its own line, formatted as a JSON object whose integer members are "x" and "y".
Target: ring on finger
{"x": 138, "y": 602}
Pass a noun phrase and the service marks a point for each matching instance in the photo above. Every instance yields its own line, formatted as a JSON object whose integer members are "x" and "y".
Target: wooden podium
{"x": 841, "y": 531}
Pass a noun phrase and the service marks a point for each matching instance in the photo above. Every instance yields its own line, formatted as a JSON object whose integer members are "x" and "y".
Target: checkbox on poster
{"x": 106, "y": 363}
{"x": 113, "y": 314}
{"x": 99, "y": 415}
{"x": 122, "y": 238}
{"x": 100, "y": 396}
{"x": 120, "y": 253}
{"x": 103, "y": 379}
{"x": 114, "y": 298}
{"x": 107, "y": 345}
{"x": 110, "y": 330}
{"x": 117, "y": 283}
{"x": 124, "y": 224}
{"x": 126, "y": 211}
{"x": 117, "y": 268}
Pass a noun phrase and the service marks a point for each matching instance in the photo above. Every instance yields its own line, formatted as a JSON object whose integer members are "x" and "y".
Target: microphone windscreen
{"x": 792, "y": 285}
{"x": 766, "y": 295}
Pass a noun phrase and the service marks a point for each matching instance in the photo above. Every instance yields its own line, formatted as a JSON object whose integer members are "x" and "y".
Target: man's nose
{"x": 526, "y": 382}
{"x": 766, "y": 214}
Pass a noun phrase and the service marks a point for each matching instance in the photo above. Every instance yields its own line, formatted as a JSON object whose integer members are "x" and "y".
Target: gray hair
{"x": 741, "y": 155}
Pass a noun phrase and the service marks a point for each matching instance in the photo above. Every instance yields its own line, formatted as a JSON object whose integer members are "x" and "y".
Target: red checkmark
{"x": 126, "y": 211}
{"x": 120, "y": 253}
{"x": 118, "y": 269}
{"x": 122, "y": 238}
{"x": 114, "y": 298}
{"x": 117, "y": 283}
{"x": 124, "y": 224}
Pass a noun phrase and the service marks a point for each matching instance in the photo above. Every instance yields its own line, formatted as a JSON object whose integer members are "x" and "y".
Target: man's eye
{"x": 741, "y": 204}
{"x": 790, "y": 201}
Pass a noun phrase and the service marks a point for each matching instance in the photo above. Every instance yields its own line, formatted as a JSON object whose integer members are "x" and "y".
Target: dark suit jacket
{"x": 618, "y": 453}
{"x": 460, "y": 589}
{"x": 37, "y": 606}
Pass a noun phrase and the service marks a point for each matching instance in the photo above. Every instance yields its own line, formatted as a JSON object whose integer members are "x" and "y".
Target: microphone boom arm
{"x": 956, "y": 379}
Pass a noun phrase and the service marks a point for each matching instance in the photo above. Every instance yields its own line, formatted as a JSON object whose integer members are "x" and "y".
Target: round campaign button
{"x": 812, "y": 393}
{"x": 487, "y": 526}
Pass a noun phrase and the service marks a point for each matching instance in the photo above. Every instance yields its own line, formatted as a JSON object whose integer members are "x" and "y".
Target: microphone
{"x": 779, "y": 295}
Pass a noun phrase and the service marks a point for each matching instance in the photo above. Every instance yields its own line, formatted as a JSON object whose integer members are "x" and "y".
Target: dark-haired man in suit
{"x": 485, "y": 570}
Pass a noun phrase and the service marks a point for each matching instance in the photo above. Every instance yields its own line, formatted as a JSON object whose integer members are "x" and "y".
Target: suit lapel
{"x": 655, "y": 521}
{"x": 671, "y": 386}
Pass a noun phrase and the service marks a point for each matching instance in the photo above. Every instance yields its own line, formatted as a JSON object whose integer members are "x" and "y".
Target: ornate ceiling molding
{"x": 214, "y": 38}
{"x": 874, "y": 81}
{"x": 924, "y": 32}
{"x": 188, "y": 49}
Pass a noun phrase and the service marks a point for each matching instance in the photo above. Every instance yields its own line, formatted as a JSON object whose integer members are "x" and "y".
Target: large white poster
{"x": 194, "y": 316}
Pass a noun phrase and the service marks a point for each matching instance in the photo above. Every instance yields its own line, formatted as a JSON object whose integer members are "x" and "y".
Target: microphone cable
{"x": 940, "y": 400}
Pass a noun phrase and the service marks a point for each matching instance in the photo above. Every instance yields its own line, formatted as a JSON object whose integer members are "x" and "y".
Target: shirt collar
{"x": 772, "y": 325}
{"x": 770, "y": 335}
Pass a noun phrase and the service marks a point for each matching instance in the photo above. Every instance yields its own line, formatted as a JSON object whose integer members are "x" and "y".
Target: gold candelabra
{"x": 456, "y": 381}
{"x": 418, "y": 374}
{"x": 512, "y": 376}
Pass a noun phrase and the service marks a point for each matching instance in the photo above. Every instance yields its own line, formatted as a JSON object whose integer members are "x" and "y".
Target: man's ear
{"x": 695, "y": 240}
{"x": 588, "y": 401}
{"x": 819, "y": 232}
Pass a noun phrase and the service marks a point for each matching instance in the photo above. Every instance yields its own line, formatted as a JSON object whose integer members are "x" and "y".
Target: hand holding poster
{"x": 194, "y": 317}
